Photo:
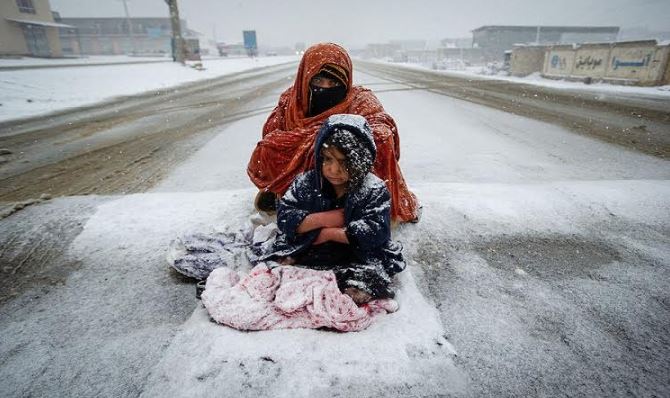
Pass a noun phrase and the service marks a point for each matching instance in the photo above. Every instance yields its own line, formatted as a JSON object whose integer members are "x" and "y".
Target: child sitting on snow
{"x": 337, "y": 216}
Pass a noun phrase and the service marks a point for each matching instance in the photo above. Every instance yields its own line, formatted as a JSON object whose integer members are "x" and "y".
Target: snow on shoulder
{"x": 32, "y": 92}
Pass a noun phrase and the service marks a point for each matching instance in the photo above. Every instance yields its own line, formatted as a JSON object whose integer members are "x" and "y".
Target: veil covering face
{"x": 287, "y": 145}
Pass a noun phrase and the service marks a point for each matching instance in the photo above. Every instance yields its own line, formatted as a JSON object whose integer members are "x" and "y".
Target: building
{"x": 409, "y": 45}
{"x": 458, "y": 42}
{"x": 27, "y": 27}
{"x": 382, "y": 50}
{"x": 231, "y": 50}
{"x": 461, "y": 56}
{"x": 113, "y": 36}
{"x": 414, "y": 51}
{"x": 495, "y": 40}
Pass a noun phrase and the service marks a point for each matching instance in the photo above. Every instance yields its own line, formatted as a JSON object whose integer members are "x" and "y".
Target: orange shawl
{"x": 287, "y": 146}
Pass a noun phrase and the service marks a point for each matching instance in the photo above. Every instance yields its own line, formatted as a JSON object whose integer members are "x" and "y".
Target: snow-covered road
{"x": 540, "y": 267}
{"x": 533, "y": 245}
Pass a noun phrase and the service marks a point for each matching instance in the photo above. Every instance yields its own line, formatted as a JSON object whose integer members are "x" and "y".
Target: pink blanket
{"x": 286, "y": 297}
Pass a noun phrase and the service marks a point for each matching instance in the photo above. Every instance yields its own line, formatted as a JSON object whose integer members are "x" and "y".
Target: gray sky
{"x": 357, "y": 22}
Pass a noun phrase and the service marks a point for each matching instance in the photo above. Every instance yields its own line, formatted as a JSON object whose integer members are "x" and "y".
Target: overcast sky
{"x": 357, "y": 22}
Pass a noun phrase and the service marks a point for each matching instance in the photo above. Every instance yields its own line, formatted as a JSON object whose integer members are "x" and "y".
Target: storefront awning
{"x": 41, "y": 23}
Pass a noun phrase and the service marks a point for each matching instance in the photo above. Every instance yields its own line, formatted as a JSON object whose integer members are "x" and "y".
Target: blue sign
{"x": 250, "y": 39}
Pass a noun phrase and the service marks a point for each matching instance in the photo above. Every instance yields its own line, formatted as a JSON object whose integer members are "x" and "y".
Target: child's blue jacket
{"x": 367, "y": 210}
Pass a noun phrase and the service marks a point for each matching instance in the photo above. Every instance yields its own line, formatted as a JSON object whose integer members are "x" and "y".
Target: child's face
{"x": 334, "y": 167}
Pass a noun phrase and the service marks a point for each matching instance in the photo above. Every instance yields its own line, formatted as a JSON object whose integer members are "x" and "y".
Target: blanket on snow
{"x": 273, "y": 296}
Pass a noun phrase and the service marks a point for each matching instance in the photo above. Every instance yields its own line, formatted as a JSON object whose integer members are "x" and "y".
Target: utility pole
{"x": 130, "y": 27}
{"x": 177, "y": 40}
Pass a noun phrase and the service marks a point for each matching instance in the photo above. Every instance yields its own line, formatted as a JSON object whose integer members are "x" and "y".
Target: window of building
{"x": 26, "y": 6}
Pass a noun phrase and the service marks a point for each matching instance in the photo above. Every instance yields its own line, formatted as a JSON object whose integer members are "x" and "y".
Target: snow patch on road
{"x": 405, "y": 350}
{"x": 399, "y": 351}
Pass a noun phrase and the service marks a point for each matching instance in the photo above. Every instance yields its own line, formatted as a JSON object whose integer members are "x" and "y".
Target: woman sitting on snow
{"x": 323, "y": 87}
{"x": 337, "y": 216}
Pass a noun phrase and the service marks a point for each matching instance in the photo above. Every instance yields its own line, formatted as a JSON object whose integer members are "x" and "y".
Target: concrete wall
{"x": 631, "y": 62}
{"x": 662, "y": 68}
{"x": 527, "y": 60}
{"x": 591, "y": 61}
{"x": 559, "y": 61}
{"x": 638, "y": 63}
{"x": 12, "y": 39}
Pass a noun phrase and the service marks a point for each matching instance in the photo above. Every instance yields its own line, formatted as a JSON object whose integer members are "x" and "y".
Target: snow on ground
{"x": 393, "y": 352}
{"x": 93, "y": 59}
{"x": 479, "y": 72}
{"x": 482, "y": 175}
{"x": 33, "y": 92}
{"x": 401, "y": 351}
{"x": 448, "y": 140}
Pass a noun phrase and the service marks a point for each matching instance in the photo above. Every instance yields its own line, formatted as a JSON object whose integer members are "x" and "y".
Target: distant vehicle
{"x": 271, "y": 54}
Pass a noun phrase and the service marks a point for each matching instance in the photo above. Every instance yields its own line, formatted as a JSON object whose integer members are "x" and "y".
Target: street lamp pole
{"x": 130, "y": 27}
{"x": 177, "y": 40}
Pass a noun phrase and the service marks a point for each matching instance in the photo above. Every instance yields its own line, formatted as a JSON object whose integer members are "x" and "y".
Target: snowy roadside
{"x": 39, "y": 91}
{"x": 94, "y": 59}
{"x": 535, "y": 79}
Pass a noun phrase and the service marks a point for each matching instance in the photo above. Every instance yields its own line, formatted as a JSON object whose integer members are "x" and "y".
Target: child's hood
{"x": 356, "y": 124}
